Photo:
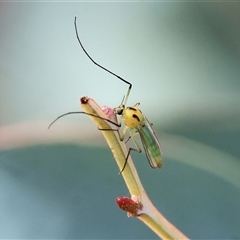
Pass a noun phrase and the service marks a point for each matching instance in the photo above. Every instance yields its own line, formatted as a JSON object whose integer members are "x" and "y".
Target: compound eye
{"x": 120, "y": 111}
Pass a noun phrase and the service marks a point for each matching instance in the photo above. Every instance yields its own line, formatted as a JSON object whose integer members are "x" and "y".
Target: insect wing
{"x": 149, "y": 126}
{"x": 151, "y": 145}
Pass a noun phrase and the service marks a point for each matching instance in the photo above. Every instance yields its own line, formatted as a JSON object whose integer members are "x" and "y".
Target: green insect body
{"x": 151, "y": 145}
{"x": 135, "y": 120}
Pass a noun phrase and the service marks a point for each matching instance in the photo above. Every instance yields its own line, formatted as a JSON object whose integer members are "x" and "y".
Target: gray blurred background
{"x": 183, "y": 62}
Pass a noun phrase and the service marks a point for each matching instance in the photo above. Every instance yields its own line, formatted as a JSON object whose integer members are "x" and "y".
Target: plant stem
{"x": 148, "y": 214}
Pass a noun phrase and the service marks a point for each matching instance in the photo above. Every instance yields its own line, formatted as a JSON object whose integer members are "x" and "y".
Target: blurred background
{"x": 183, "y": 62}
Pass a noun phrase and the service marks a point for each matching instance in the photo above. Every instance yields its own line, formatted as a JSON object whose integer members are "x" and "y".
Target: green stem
{"x": 149, "y": 214}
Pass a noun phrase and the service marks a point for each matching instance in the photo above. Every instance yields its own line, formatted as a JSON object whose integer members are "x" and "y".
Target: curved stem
{"x": 148, "y": 214}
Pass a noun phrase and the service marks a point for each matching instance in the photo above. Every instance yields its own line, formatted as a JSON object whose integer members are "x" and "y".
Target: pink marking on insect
{"x": 132, "y": 205}
{"x": 110, "y": 113}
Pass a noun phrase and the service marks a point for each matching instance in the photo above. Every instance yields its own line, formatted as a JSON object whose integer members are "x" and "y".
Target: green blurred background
{"x": 183, "y": 62}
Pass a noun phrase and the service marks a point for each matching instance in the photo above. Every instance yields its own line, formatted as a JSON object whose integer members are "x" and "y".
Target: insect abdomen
{"x": 151, "y": 147}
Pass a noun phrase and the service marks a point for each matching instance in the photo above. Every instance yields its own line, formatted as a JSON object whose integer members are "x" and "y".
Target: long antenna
{"x": 114, "y": 74}
{"x": 89, "y": 114}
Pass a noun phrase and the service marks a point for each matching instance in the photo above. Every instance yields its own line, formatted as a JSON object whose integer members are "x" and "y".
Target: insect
{"x": 133, "y": 118}
{"x": 134, "y": 121}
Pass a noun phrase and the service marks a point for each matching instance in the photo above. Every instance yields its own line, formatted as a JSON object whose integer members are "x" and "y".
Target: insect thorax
{"x": 133, "y": 117}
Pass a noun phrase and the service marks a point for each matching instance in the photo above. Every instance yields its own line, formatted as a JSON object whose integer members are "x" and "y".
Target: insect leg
{"x": 137, "y": 149}
{"x": 136, "y": 105}
{"x": 132, "y": 135}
